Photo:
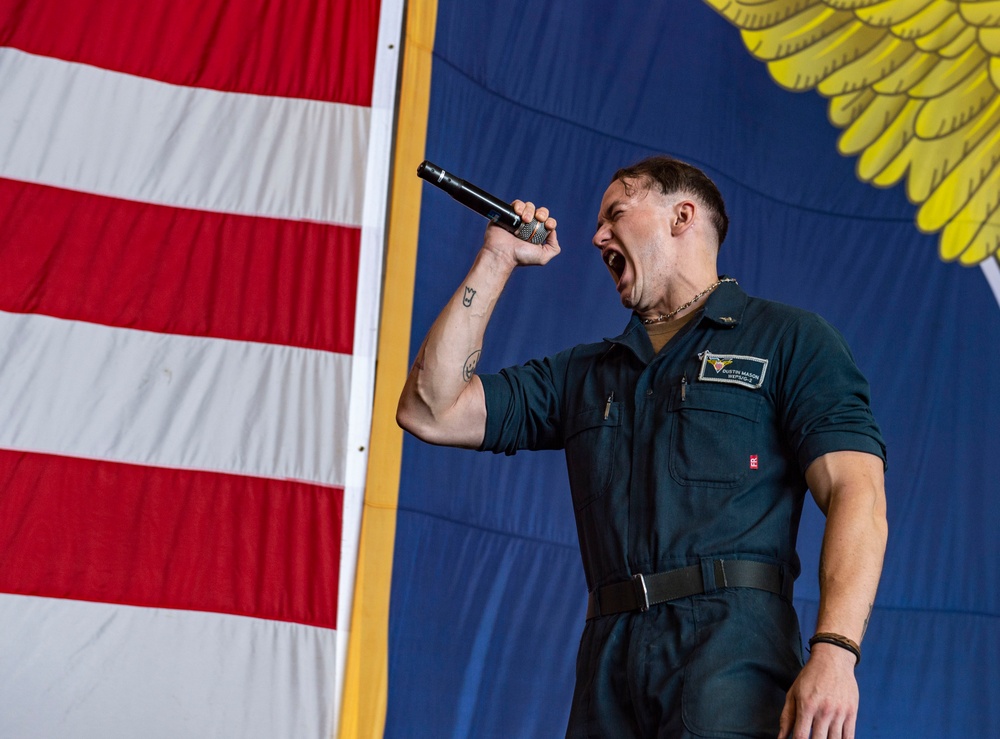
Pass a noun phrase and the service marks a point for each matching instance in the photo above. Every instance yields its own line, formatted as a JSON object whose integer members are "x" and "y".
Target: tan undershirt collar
{"x": 661, "y": 333}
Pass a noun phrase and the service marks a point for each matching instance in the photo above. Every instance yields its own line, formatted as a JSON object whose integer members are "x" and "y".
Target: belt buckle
{"x": 641, "y": 594}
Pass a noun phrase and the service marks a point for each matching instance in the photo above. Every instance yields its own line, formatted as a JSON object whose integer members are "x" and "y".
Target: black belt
{"x": 643, "y": 591}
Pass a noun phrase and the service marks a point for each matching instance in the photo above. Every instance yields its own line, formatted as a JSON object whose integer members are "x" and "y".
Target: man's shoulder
{"x": 777, "y": 313}
{"x": 775, "y": 308}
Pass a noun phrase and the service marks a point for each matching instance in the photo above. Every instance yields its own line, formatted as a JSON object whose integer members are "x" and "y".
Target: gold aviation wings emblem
{"x": 915, "y": 86}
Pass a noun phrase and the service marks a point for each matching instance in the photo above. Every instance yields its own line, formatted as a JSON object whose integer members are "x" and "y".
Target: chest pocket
{"x": 713, "y": 432}
{"x": 591, "y": 441}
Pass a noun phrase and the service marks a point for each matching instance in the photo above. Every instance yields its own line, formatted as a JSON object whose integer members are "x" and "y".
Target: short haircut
{"x": 674, "y": 176}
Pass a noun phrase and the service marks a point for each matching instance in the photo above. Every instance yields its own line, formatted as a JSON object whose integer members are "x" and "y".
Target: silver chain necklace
{"x": 667, "y": 316}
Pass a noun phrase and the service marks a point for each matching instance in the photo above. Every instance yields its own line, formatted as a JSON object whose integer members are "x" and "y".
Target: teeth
{"x": 611, "y": 259}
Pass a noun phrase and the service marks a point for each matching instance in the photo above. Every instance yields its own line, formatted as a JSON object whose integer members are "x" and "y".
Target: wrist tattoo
{"x": 469, "y": 295}
{"x": 470, "y": 365}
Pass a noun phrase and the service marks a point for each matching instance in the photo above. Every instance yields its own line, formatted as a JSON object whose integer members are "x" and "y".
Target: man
{"x": 690, "y": 441}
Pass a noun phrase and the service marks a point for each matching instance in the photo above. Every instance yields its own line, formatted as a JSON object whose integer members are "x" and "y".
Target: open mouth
{"x": 616, "y": 263}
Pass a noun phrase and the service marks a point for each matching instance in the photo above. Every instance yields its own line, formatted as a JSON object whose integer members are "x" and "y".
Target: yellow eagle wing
{"x": 915, "y": 86}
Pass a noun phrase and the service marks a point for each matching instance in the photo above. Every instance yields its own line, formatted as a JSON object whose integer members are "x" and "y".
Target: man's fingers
{"x": 529, "y": 212}
{"x": 808, "y": 724}
{"x": 807, "y": 729}
{"x": 849, "y": 726}
{"x": 787, "y": 718}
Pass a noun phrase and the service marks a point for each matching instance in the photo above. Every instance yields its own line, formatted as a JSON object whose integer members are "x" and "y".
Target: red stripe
{"x": 320, "y": 50}
{"x": 115, "y": 262}
{"x": 115, "y": 533}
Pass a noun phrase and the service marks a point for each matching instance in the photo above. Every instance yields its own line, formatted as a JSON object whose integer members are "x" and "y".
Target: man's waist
{"x": 642, "y": 591}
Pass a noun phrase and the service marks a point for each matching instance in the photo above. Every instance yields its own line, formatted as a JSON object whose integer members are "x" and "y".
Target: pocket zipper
{"x": 607, "y": 406}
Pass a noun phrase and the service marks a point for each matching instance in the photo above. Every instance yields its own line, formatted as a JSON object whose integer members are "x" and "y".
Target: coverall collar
{"x": 724, "y": 307}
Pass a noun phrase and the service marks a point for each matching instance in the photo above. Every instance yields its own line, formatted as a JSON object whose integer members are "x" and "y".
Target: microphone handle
{"x": 483, "y": 203}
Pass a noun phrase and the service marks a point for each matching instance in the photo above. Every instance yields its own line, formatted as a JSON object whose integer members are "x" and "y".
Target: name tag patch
{"x": 734, "y": 369}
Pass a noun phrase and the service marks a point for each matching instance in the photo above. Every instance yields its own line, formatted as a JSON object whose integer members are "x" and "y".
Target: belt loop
{"x": 787, "y": 582}
{"x": 710, "y": 575}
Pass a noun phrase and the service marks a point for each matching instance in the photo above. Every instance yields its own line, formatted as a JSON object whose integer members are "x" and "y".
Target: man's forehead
{"x": 619, "y": 190}
{"x": 622, "y": 191}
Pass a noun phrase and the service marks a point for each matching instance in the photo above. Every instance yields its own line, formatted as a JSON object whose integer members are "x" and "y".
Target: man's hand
{"x": 823, "y": 701}
{"x": 517, "y": 252}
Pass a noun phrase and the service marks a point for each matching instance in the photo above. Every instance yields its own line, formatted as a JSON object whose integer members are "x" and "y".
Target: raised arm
{"x": 849, "y": 488}
{"x": 442, "y": 401}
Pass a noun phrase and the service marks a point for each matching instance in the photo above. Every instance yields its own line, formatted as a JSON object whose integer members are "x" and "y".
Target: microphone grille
{"x": 533, "y": 232}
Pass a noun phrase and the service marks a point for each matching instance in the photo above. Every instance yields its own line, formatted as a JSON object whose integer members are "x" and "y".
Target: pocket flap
{"x": 732, "y": 400}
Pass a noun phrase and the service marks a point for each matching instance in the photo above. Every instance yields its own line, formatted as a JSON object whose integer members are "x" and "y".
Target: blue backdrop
{"x": 545, "y": 102}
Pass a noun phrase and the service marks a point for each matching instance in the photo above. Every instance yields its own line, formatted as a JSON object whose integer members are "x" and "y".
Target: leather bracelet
{"x": 826, "y": 637}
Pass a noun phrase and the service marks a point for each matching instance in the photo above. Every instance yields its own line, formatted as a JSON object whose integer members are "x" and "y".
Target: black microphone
{"x": 483, "y": 203}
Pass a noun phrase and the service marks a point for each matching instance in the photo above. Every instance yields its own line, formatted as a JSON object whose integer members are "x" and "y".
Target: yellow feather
{"x": 984, "y": 244}
{"x": 882, "y": 60}
{"x": 995, "y": 72}
{"x": 955, "y": 190}
{"x": 809, "y": 66}
{"x": 924, "y": 22}
{"x": 961, "y": 43}
{"x": 796, "y": 33}
{"x": 948, "y": 73}
{"x": 944, "y": 114}
{"x": 939, "y": 37}
{"x": 955, "y": 239}
{"x": 897, "y": 168}
{"x": 935, "y": 158}
{"x": 756, "y": 15}
{"x": 989, "y": 39}
{"x": 891, "y": 12}
{"x": 844, "y": 109}
{"x": 877, "y": 118}
{"x": 904, "y": 78}
{"x": 981, "y": 12}
{"x": 889, "y": 143}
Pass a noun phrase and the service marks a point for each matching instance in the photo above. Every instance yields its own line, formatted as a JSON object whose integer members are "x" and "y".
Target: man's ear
{"x": 683, "y": 217}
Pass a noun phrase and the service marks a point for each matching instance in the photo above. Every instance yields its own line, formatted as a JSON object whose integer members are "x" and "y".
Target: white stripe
{"x": 369, "y": 297}
{"x": 86, "y": 390}
{"x": 82, "y": 670}
{"x": 82, "y": 128}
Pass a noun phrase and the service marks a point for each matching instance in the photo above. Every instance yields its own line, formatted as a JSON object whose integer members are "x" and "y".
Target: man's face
{"x": 633, "y": 234}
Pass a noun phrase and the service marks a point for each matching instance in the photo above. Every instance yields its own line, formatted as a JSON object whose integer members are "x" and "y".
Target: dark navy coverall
{"x": 695, "y": 454}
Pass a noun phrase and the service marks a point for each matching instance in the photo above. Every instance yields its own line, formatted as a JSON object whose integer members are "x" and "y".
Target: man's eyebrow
{"x": 606, "y": 213}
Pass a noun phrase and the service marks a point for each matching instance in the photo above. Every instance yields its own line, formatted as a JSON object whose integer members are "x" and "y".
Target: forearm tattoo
{"x": 467, "y": 298}
{"x": 470, "y": 365}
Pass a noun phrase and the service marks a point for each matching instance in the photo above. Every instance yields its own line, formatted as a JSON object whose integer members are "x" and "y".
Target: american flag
{"x": 191, "y": 200}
